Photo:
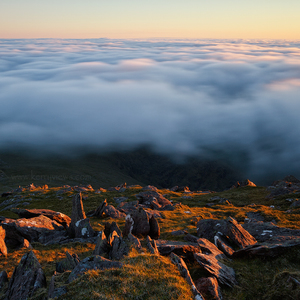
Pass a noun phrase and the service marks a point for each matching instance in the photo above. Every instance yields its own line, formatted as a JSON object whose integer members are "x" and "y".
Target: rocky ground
{"x": 134, "y": 242}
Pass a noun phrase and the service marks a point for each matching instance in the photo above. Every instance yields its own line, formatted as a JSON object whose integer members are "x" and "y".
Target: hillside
{"x": 268, "y": 273}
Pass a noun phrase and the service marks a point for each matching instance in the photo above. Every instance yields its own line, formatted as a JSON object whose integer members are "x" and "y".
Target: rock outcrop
{"x": 27, "y": 278}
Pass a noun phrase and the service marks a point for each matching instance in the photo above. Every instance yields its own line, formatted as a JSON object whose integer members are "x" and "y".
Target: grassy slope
{"x": 144, "y": 272}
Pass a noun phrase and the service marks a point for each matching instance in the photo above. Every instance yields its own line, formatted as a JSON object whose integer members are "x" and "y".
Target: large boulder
{"x": 209, "y": 287}
{"x": 138, "y": 223}
{"x": 30, "y": 229}
{"x": 93, "y": 263}
{"x": 53, "y": 215}
{"x": 27, "y": 278}
{"x": 208, "y": 228}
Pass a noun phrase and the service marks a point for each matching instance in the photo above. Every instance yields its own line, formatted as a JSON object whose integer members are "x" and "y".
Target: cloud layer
{"x": 235, "y": 100}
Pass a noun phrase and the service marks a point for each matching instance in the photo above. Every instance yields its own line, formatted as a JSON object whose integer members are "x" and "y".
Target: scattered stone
{"x": 150, "y": 188}
{"x": 93, "y": 263}
{"x": 111, "y": 212}
{"x": 118, "y": 248}
{"x": 246, "y": 182}
{"x": 67, "y": 264}
{"x": 255, "y": 217}
{"x": 179, "y": 262}
{"x": 27, "y": 277}
{"x": 128, "y": 207}
{"x": 209, "y": 287}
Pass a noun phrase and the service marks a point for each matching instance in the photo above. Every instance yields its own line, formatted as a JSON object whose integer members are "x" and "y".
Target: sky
{"x": 232, "y": 100}
{"x": 230, "y": 19}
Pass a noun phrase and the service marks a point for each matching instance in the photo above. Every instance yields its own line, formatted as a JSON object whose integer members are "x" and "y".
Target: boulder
{"x": 137, "y": 223}
{"x": 128, "y": 207}
{"x": 209, "y": 287}
{"x": 151, "y": 244}
{"x": 27, "y": 277}
{"x": 53, "y": 215}
{"x": 93, "y": 263}
{"x": 238, "y": 235}
{"x": 208, "y": 228}
{"x": 98, "y": 212}
{"x": 77, "y": 213}
{"x": 83, "y": 229}
{"x": 111, "y": 227}
{"x": 154, "y": 200}
{"x": 185, "y": 250}
{"x": 135, "y": 241}
{"x": 222, "y": 243}
{"x": 118, "y": 247}
{"x": 154, "y": 228}
{"x": 32, "y": 228}
{"x": 101, "y": 247}
{"x": 112, "y": 212}
{"x": 67, "y": 264}
{"x": 224, "y": 274}
{"x": 179, "y": 262}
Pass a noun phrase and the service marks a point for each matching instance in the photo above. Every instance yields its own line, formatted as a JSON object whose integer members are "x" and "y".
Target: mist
{"x": 214, "y": 99}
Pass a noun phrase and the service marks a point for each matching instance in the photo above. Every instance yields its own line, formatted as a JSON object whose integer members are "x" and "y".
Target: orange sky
{"x": 275, "y": 19}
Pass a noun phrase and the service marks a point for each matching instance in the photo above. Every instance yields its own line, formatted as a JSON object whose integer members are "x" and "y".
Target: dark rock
{"x": 118, "y": 248}
{"x": 3, "y": 248}
{"x": 179, "y": 262}
{"x": 254, "y": 217}
{"x": 83, "y": 229}
{"x": 208, "y": 228}
{"x": 295, "y": 204}
{"x": 154, "y": 228}
{"x": 6, "y": 194}
{"x": 52, "y": 237}
{"x": 185, "y": 250}
{"x": 3, "y": 279}
{"x": 93, "y": 263}
{"x": 128, "y": 207}
{"x": 77, "y": 213}
{"x": 223, "y": 273}
{"x": 134, "y": 240}
{"x": 111, "y": 212}
{"x": 209, "y": 287}
{"x": 53, "y": 215}
{"x": 210, "y": 249}
{"x": 118, "y": 200}
{"x": 101, "y": 245}
{"x": 266, "y": 250}
{"x": 32, "y": 228}
{"x": 268, "y": 232}
{"x": 137, "y": 223}
{"x": 67, "y": 264}
{"x": 151, "y": 244}
{"x": 179, "y": 232}
{"x": 154, "y": 200}
{"x": 98, "y": 212}
{"x": 237, "y": 234}
{"x": 27, "y": 277}
{"x": 245, "y": 182}
{"x": 150, "y": 188}
{"x": 223, "y": 245}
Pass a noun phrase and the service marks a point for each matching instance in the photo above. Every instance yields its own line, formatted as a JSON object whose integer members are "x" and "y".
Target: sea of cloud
{"x": 237, "y": 100}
